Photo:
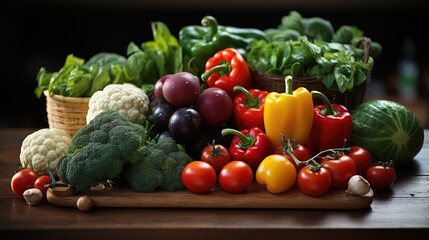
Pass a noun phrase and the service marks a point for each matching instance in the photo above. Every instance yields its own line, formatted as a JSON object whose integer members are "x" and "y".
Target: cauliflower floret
{"x": 126, "y": 99}
{"x": 43, "y": 147}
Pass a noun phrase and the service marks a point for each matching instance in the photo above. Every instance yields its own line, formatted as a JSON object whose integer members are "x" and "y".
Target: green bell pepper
{"x": 202, "y": 42}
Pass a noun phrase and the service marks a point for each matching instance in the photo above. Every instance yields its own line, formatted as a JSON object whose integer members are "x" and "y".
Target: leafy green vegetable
{"x": 339, "y": 66}
{"x": 310, "y": 47}
{"x": 105, "y": 59}
{"x": 79, "y": 79}
{"x": 156, "y": 58}
{"x": 388, "y": 130}
{"x": 142, "y": 67}
{"x": 294, "y": 25}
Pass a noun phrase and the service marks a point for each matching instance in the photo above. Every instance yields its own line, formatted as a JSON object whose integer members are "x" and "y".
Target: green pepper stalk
{"x": 332, "y": 125}
{"x": 211, "y": 23}
{"x": 226, "y": 69}
{"x": 249, "y": 145}
{"x": 201, "y": 42}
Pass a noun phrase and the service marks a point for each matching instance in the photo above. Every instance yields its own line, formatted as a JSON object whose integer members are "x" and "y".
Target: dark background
{"x": 41, "y": 33}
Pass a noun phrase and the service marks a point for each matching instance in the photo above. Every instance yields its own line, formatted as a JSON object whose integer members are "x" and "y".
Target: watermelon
{"x": 388, "y": 130}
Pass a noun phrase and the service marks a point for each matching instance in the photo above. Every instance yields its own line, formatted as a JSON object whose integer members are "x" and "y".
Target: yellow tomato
{"x": 277, "y": 173}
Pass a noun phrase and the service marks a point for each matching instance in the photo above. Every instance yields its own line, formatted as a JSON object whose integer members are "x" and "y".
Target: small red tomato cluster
{"x": 336, "y": 169}
{"x": 216, "y": 167}
{"x": 26, "y": 179}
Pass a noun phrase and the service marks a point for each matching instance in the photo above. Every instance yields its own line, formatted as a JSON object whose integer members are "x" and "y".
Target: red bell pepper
{"x": 332, "y": 124}
{"x": 226, "y": 69}
{"x": 249, "y": 145}
{"x": 249, "y": 108}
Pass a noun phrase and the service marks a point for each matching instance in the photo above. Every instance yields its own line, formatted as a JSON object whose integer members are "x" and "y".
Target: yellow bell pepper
{"x": 289, "y": 114}
{"x": 277, "y": 173}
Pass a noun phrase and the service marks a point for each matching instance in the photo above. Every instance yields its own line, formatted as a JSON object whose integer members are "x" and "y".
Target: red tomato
{"x": 41, "y": 182}
{"x": 235, "y": 176}
{"x": 362, "y": 159}
{"x": 381, "y": 177}
{"x": 199, "y": 177}
{"x": 341, "y": 169}
{"x": 23, "y": 180}
{"x": 299, "y": 151}
{"x": 216, "y": 155}
{"x": 314, "y": 183}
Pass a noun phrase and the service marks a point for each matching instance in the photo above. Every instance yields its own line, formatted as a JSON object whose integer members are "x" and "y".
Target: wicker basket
{"x": 66, "y": 113}
{"x": 349, "y": 99}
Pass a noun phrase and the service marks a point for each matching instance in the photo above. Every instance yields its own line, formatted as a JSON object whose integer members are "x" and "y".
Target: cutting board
{"x": 256, "y": 196}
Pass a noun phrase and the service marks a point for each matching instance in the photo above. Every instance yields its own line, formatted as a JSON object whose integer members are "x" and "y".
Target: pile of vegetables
{"x": 183, "y": 114}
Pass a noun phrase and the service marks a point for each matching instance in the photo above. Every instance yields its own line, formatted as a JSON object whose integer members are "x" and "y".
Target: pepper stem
{"x": 329, "y": 110}
{"x": 246, "y": 140}
{"x": 288, "y": 84}
{"x": 211, "y": 22}
{"x": 223, "y": 69}
{"x": 252, "y": 101}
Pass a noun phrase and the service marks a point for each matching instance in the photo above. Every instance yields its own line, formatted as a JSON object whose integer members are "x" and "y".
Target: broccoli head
{"x": 160, "y": 168}
{"x": 100, "y": 150}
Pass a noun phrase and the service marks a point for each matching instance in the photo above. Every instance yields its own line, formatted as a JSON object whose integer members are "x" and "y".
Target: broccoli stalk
{"x": 100, "y": 150}
{"x": 160, "y": 168}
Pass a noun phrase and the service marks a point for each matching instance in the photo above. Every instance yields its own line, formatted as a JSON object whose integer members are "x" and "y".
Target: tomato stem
{"x": 312, "y": 164}
{"x": 216, "y": 150}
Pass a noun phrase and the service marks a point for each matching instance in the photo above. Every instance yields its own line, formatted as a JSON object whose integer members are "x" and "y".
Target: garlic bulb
{"x": 358, "y": 186}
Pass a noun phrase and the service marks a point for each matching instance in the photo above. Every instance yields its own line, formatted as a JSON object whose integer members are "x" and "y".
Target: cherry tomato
{"x": 314, "y": 183}
{"x": 216, "y": 155}
{"x": 23, "y": 180}
{"x": 277, "y": 173}
{"x": 299, "y": 151}
{"x": 41, "y": 182}
{"x": 362, "y": 159}
{"x": 381, "y": 177}
{"x": 235, "y": 176}
{"x": 199, "y": 177}
{"x": 342, "y": 168}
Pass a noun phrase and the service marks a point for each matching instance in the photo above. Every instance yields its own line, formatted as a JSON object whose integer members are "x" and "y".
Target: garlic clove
{"x": 358, "y": 186}
{"x": 33, "y": 196}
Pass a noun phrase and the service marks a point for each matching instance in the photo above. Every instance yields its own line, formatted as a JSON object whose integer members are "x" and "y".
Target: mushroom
{"x": 84, "y": 203}
{"x": 33, "y": 196}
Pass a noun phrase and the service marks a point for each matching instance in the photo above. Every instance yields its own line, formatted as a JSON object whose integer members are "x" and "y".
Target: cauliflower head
{"x": 44, "y": 147}
{"x": 125, "y": 98}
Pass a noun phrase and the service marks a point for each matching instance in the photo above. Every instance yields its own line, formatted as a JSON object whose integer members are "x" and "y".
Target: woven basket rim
{"x": 66, "y": 113}
{"x": 66, "y": 99}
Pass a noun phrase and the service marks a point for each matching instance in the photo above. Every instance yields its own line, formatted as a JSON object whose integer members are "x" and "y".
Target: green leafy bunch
{"x": 310, "y": 47}
{"x": 141, "y": 66}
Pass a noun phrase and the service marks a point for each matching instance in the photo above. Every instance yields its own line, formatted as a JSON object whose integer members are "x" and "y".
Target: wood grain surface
{"x": 256, "y": 196}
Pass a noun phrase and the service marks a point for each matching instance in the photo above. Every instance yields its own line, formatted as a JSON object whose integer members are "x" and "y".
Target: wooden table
{"x": 399, "y": 213}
